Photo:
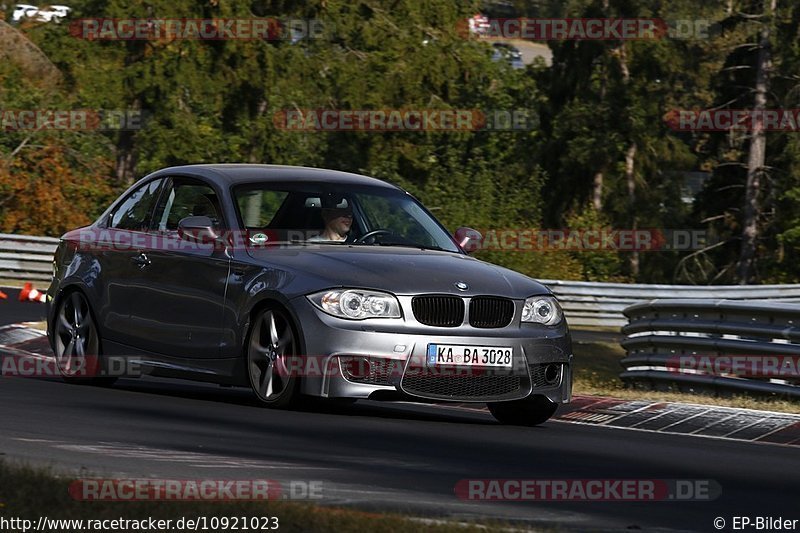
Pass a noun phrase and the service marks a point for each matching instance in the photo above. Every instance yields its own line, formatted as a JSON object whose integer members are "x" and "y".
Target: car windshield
{"x": 325, "y": 213}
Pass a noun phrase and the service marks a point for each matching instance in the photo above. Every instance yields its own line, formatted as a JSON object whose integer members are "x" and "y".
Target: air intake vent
{"x": 487, "y": 387}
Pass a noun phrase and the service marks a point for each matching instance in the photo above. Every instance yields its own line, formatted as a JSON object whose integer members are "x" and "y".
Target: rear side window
{"x": 134, "y": 212}
{"x": 188, "y": 199}
{"x": 258, "y": 207}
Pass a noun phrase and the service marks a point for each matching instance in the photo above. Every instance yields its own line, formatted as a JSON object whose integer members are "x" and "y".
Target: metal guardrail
{"x": 713, "y": 345}
{"x": 26, "y": 258}
{"x": 588, "y": 303}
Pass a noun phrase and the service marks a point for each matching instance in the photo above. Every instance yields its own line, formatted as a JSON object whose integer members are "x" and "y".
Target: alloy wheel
{"x": 271, "y": 348}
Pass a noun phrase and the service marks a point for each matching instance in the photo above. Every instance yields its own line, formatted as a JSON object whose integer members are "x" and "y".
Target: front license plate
{"x": 457, "y": 354}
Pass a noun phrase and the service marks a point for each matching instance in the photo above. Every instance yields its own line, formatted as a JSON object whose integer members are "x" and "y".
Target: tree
{"x": 757, "y": 152}
{"x": 747, "y": 203}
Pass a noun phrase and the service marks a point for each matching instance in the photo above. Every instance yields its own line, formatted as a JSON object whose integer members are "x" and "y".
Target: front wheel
{"x": 530, "y": 411}
{"x": 271, "y": 348}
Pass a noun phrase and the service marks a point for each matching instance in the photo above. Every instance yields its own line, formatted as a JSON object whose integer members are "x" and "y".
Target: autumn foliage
{"x": 45, "y": 191}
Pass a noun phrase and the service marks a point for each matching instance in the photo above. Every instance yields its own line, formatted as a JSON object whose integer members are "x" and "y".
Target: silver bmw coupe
{"x": 298, "y": 281}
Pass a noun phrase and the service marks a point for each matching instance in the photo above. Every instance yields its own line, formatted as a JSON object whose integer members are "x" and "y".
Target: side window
{"x": 134, "y": 212}
{"x": 258, "y": 207}
{"x": 187, "y": 199}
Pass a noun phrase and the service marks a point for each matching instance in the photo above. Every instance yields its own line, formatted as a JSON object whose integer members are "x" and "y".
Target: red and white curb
{"x": 684, "y": 419}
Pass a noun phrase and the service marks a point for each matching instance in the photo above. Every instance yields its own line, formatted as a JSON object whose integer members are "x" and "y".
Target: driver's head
{"x": 337, "y": 214}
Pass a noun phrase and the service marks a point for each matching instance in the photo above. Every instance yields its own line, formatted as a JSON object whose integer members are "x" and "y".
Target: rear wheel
{"x": 77, "y": 342}
{"x": 530, "y": 411}
{"x": 271, "y": 348}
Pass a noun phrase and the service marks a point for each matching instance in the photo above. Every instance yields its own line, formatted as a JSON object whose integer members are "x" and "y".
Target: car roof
{"x": 227, "y": 174}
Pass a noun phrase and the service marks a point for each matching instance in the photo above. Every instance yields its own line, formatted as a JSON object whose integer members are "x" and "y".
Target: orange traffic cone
{"x": 29, "y": 294}
{"x": 3, "y": 295}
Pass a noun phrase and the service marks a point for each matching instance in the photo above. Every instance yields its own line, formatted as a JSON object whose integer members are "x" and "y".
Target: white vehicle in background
{"x": 53, "y": 13}
{"x": 22, "y": 11}
{"x": 45, "y": 14}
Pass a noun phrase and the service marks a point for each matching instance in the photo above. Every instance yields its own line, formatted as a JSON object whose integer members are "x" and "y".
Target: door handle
{"x": 141, "y": 260}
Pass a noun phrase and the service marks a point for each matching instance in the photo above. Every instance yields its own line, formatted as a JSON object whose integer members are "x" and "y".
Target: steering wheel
{"x": 373, "y": 233}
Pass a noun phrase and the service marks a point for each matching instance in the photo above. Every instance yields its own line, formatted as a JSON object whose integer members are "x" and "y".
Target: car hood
{"x": 402, "y": 271}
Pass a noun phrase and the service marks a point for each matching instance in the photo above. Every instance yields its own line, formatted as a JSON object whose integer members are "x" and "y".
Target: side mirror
{"x": 468, "y": 239}
{"x": 198, "y": 229}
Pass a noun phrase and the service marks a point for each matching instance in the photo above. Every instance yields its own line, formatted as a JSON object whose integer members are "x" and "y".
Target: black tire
{"x": 271, "y": 348}
{"x": 76, "y": 343}
{"x": 530, "y": 411}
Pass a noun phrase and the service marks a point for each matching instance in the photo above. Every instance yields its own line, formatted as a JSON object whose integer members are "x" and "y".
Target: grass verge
{"x": 597, "y": 369}
{"x": 29, "y": 493}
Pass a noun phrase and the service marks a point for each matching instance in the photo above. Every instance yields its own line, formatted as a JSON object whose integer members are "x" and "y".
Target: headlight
{"x": 356, "y": 303}
{"x": 542, "y": 309}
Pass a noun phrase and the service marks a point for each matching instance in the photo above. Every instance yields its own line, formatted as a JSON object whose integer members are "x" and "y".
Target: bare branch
{"x": 712, "y": 219}
{"x": 18, "y": 148}
{"x": 737, "y": 67}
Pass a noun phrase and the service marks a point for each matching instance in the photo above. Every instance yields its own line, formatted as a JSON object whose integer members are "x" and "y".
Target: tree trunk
{"x": 597, "y": 191}
{"x": 756, "y": 158}
{"x": 125, "y": 164}
{"x": 630, "y": 158}
{"x": 630, "y": 178}
{"x": 254, "y": 152}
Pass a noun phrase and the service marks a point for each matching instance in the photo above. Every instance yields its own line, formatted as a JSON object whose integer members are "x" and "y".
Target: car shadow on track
{"x": 243, "y": 397}
{"x": 366, "y": 408}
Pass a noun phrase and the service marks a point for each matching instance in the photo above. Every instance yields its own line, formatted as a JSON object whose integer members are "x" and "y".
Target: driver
{"x": 337, "y": 214}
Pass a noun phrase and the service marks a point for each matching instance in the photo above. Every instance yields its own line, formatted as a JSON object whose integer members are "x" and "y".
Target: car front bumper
{"x": 389, "y": 359}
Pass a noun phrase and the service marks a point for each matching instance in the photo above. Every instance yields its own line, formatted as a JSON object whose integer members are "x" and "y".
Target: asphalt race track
{"x": 370, "y": 455}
